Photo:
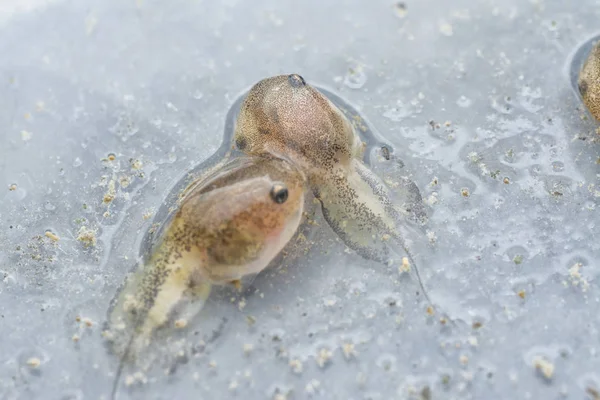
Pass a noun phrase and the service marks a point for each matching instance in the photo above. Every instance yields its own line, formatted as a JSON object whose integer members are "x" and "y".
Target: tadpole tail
{"x": 115, "y": 386}
{"x": 398, "y": 237}
{"x": 411, "y": 259}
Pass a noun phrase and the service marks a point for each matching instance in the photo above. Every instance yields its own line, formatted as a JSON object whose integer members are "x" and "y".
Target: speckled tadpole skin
{"x": 589, "y": 81}
{"x": 229, "y": 224}
{"x": 285, "y": 116}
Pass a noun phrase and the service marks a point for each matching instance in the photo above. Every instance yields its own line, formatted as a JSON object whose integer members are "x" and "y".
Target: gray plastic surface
{"x": 474, "y": 96}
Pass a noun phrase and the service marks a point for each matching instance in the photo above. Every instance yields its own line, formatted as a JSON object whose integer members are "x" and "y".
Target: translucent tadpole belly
{"x": 229, "y": 223}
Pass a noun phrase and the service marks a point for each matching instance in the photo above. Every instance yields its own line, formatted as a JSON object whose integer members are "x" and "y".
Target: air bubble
{"x": 355, "y": 78}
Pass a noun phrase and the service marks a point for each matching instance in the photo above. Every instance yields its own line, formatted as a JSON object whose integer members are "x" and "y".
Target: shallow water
{"x": 152, "y": 82}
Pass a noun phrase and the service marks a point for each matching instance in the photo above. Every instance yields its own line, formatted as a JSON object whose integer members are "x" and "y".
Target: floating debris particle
{"x": 506, "y": 181}
{"x": 26, "y": 136}
{"x": 446, "y": 29}
{"x": 312, "y": 387}
{"x": 111, "y": 157}
{"x": 34, "y": 362}
{"x": 464, "y": 360}
{"x": 233, "y": 385}
{"x": 212, "y": 364}
{"x": 323, "y": 357}
{"x": 521, "y": 294}
{"x": 477, "y": 325}
{"x": 405, "y": 267}
{"x": 465, "y": 192}
{"x": 88, "y": 322}
{"x": 248, "y": 348}
{"x": 137, "y": 377}
{"x": 544, "y": 366}
{"x": 348, "y": 350}
{"x": 330, "y": 301}
{"x": 432, "y": 237}
{"x": 296, "y": 366}
{"x": 136, "y": 164}
{"x": 12, "y": 187}
{"x": 180, "y": 323}
{"x": 400, "y": 9}
{"x": 87, "y": 236}
{"x": 430, "y": 311}
{"x": 576, "y": 278}
{"x": 124, "y": 181}
{"x": 52, "y": 236}
{"x": 75, "y": 338}
{"x": 518, "y": 259}
{"x": 111, "y": 193}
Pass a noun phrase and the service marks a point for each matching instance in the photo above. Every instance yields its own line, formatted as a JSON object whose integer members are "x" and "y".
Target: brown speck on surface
{"x": 465, "y": 192}
{"x": 88, "y": 322}
{"x": 430, "y": 311}
{"x": 521, "y": 294}
{"x": 75, "y": 338}
{"x": 12, "y": 187}
{"x": 544, "y": 366}
{"x": 506, "y": 181}
{"x": 250, "y": 320}
{"x": 52, "y": 236}
{"x": 477, "y": 325}
{"x": 34, "y": 362}
{"x": 464, "y": 360}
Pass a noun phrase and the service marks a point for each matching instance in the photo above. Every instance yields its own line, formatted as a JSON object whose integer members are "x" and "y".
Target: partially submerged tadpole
{"x": 283, "y": 115}
{"x": 228, "y": 225}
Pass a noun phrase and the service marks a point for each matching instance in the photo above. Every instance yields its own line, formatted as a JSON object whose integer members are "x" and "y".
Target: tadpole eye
{"x": 583, "y": 87}
{"x": 279, "y": 193}
{"x": 296, "y": 80}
